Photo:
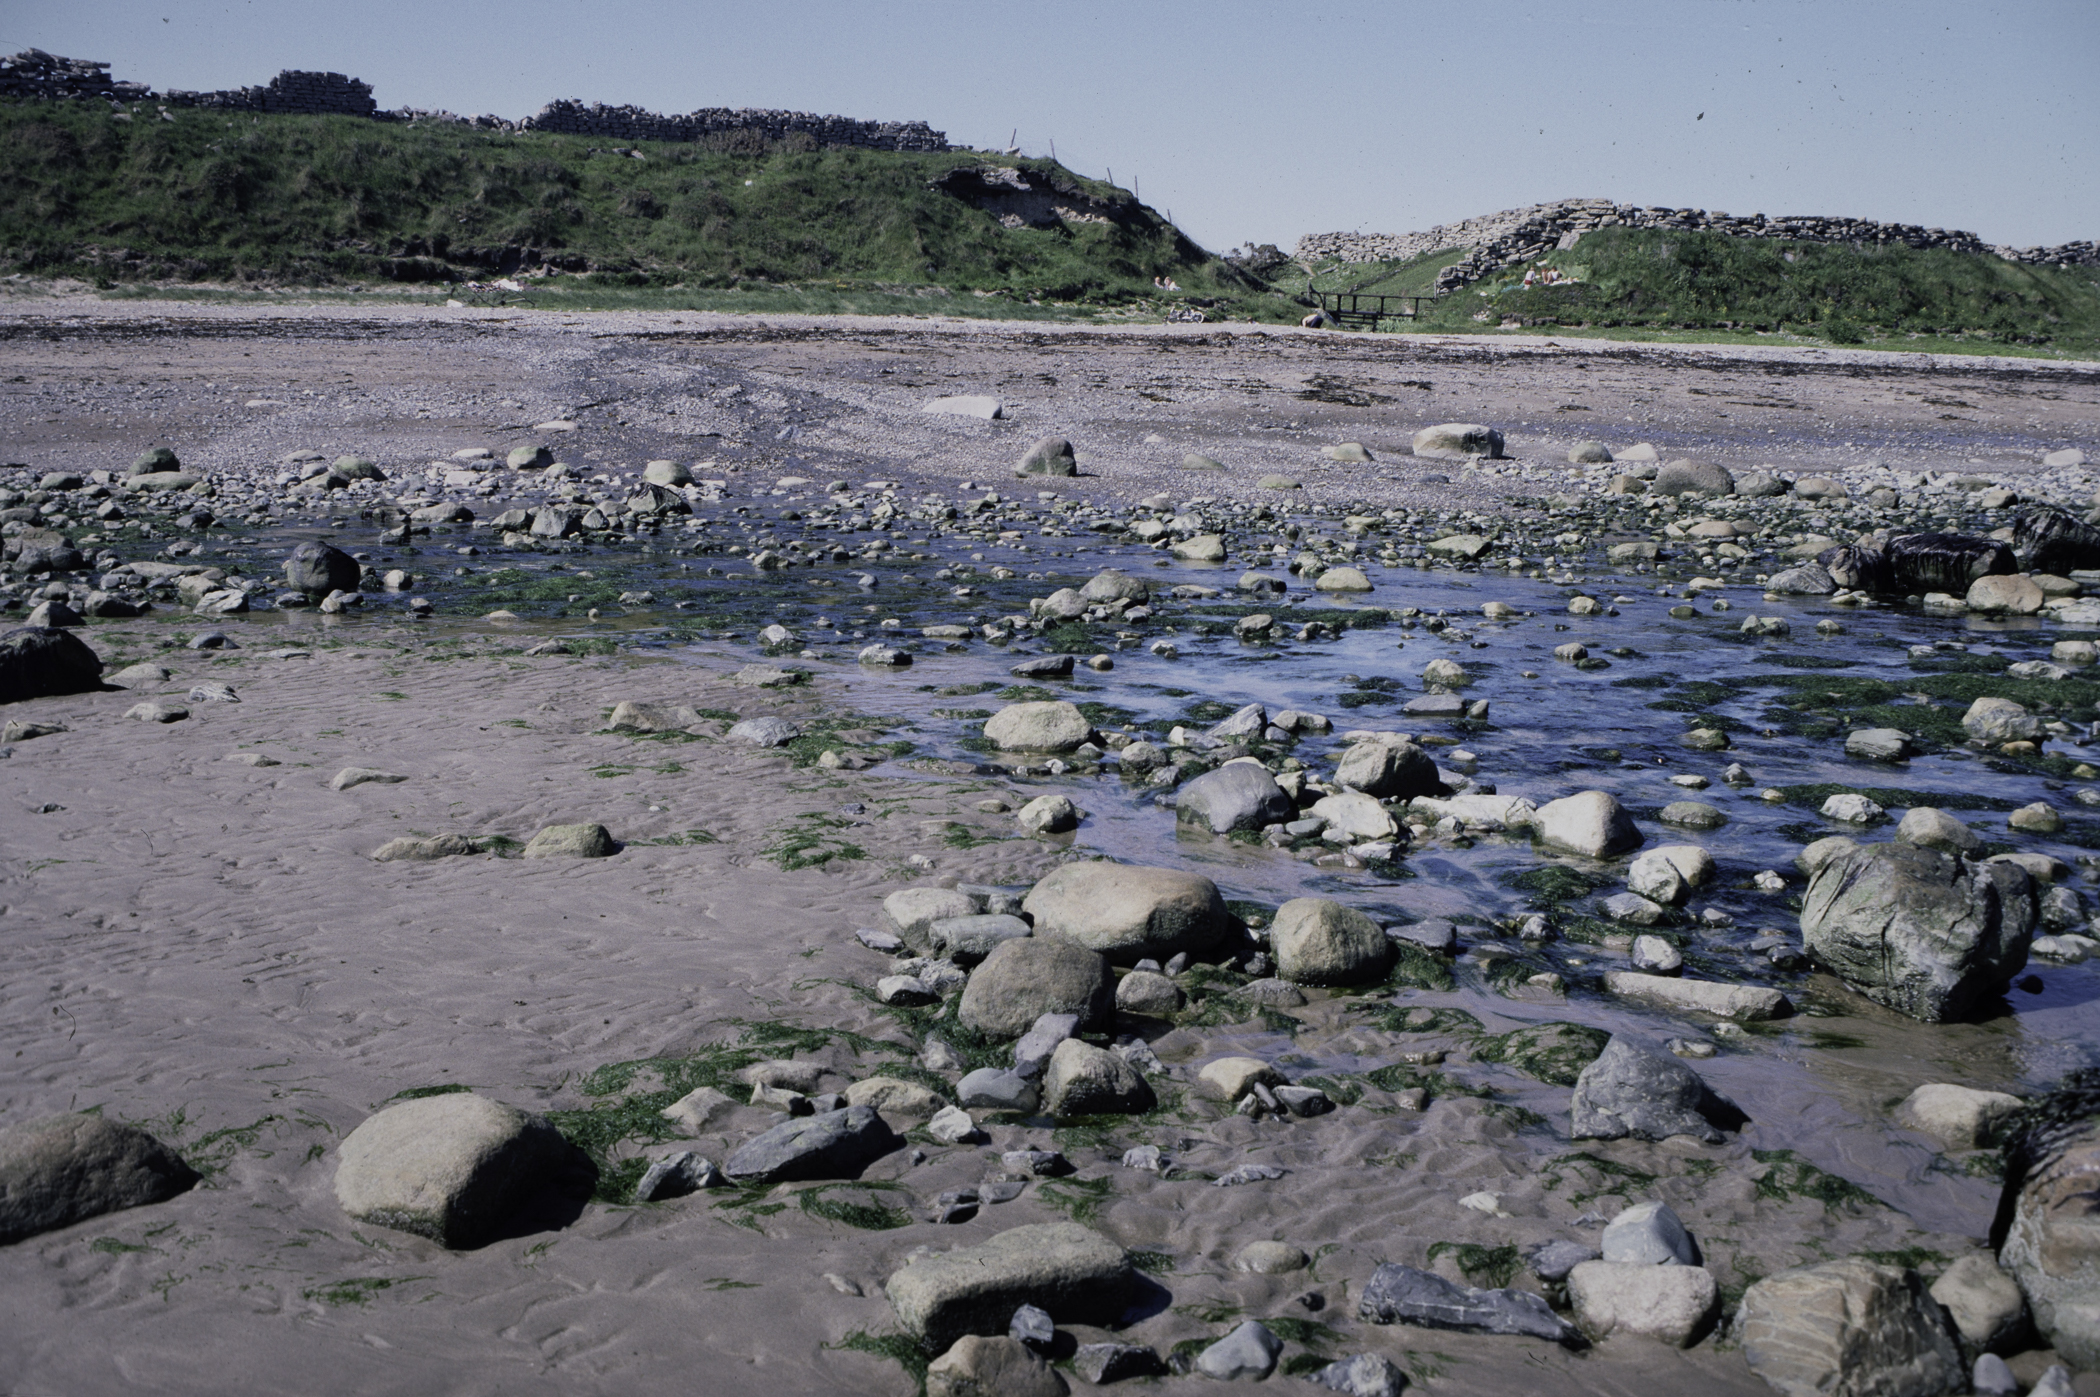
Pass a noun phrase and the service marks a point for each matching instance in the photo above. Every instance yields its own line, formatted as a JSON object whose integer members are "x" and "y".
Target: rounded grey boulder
{"x": 455, "y": 1168}
{"x": 831, "y": 1145}
{"x": 1021, "y": 980}
{"x": 316, "y": 569}
{"x": 1631, "y": 1091}
{"x": 1068, "y": 1270}
{"x": 1388, "y": 770}
{"x": 1048, "y": 456}
{"x": 1238, "y": 795}
{"x": 1686, "y": 477}
{"x": 1457, "y": 441}
{"x": 1051, "y": 725}
{"x": 573, "y": 842}
{"x": 40, "y": 661}
{"x": 1084, "y": 1080}
{"x": 63, "y": 1169}
{"x": 1319, "y": 942}
{"x": 1128, "y": 913}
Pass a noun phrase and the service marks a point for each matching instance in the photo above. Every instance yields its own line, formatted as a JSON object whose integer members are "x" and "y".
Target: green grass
{"x": 346, "y": 202}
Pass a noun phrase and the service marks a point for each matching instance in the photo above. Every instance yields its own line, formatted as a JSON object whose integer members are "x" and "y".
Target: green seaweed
{"x": 901, "y": 1349}
{"x": 1622, "y": 1180}
{"x": 356, "y": 1291}
{"x": 1078, "y": 1199}
{"x": 1787, "y": 1176}
{"x": 869, "y": 1214}
{"x": 1490, "y": 1268}
{"x": 1554, "y": 1053}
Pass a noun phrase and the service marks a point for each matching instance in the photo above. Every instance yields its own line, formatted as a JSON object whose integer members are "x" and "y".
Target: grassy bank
{"x": 1664, "y": 284}
{"x": 339, "y": 202}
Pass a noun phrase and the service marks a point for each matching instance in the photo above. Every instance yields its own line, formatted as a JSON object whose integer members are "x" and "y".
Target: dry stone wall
{"x": 1514, "y": 236}
{"x": 36, "y": 75}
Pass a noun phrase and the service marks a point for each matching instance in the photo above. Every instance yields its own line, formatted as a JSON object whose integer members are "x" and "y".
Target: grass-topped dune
{"x": 324, "y": 200}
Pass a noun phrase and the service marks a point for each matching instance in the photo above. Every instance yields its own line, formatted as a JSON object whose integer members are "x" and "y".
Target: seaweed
{"x": 1622, "y": 1180}
{"x": 1490, "y": 1268}
{"x": 1551, "y": 884}
{"x": 1554, "y": 1053}
{"x": 356, "y": 1291}
{"x": 1787, "y": 1176}
{"x": 901, "y": 1349}
{"x": 871, "y": 1214}
{"x": 1078, "y": 1199}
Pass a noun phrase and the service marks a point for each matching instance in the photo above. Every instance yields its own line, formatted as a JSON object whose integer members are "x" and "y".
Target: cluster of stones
{"x": 636, "y": 124}
{"x": 1515, "y": 236}
{"x": 33, "y": 74}
{"x": 305, "y": 93}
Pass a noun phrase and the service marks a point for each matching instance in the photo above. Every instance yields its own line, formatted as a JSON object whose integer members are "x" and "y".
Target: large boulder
{"x": 1048, "y": 456}
{"x": 1128, "y": 913}
{"x": 1919, "y": 929}
{"x": 1590, "y": 823}
{"x": 317, "y": 569}
{"x": 1053, "y": 725}
{"x": 2005, "y": 592}
{"x": 1993, "y": 719}
{"x": 992, "y": 1366}
{"x": 1686, "y": 477}
{"x": 1238, "y": 795}
{"x": 1457, "y": 441}
{"x": 828, "y": 1145}
{"x": 1388, "y": 770}
{"x": 911, "y": 912}
{"x": 1070, "y": 1271}
{"x": 1630, "y": 1090}
{"x": 456, "y": 1168}
{"x": 1671, "y": 1304}
{"x": 63, "y": 1169}
{"x": 1849, "y": 1328}
{"x": 1024, "y": 979}
{"x": 2048, "y": 1229}
{"x": 41, "y": 661}
{"x": 1319, "y": 942}
{"x": 1083, "y": 1080}
{"x": 1112, "y": 584}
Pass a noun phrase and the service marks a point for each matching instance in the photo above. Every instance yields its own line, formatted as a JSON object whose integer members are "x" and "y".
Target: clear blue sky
{"x": 1267, "y": 121}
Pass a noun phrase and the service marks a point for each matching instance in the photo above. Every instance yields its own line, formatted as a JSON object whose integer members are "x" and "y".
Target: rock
{"x": 992, "y": 1366}
{"x": 1656, "y": 878}
{"x": 1671, "y": 1304}
{"x": 1128, "y": 913}
{"x": 317, "y": 569}
{"x": 1270, "y": 1259}
{"x": 351, "y": 776}
{"x": 911, "y": 912}
{"x": 1342, "y": 579}
{"x": 908, "y": 991}
{"x": 895, "y": 1099}
{"x": 1853, "y": 809}
{"x": 1032, "y": 1052}
{"x": 53, "y": 614}
{"x": 953, "y": 1126}
{"x": 1993, "y": 1377}
{"x": 1048, "y": 456}
{"x": 43, "y": 662}
{"x": 655, "y": 717}
{"x": 2051, "y": 1241}
{"x": 1147, "y": 994}
{"x": 699, "y": 1108}
{"x": 1230, "y": 1078}
{"x": 967, "y": 405}
{"x": 1319, "y": 942}
{"x": 1468, "y": 546}
{"x": 1685, "y": 477}
{"x": 885, "y": 657}
{"x": 1250, "y": 1351}
{"x": 1819, "y": 852}
{"x": 1848, "y": 1328}
{"x": 1810, "y": 579}
{"x": 1202, "y": 548}
{"x": 1238, "y": 795}
{"x": 668, "y": 474}
{"x": 1101, "y": 1364}
{"x": 969, "y": 939}
{"x": 1084, "y": 1080}
{"x": 2038, "y": 818}
{"x": 676, "y": 1175}
{"x": 1044, "y": 974}
{"x": 1355, "y": 814}
{"x": 456, "y": 1168}
{"x": 154, "y": 461}
{"x": 1961, "y": 1118}
{"x": 59, "y": 1170}
{"x": 586, "y": 841}
{"x": 1388, "y": 770}
{"x": 1195, "y": 462}
{"x": 1652, "y": 955}
{"x": 828, "y": 1145}
{"x": 1365, "y": 1375}
{"x": 1070, "y": 1271}
{"x": 157, "y": 711}
{"x": 438, "y": 846}
{"x": 1878, "y": 744}
{"x": 1983, "y": 1301}
{"x": 1996, "y": 720}
{"x": 1406, "y": 1295}
{"x": 996, "y": 1089}
{"x": 1629, "y": 1090}
{"x": 1918, "y": 930}
{"x": 764, "y": 732}
{"x": 2009, "y": 593}
{"x": 1044, "y": 667}
{"x": 1049, "y": 726}
{"x": 529, "y": 457}
{"x": 1590, "y": 823}
{"x": 140, "y": 676}
{"x": 1742, "y": 1003}
{"x": 1589, "y": 453}
{"x": 1457, "y": 441}
{"x": 1649, "y": 1234}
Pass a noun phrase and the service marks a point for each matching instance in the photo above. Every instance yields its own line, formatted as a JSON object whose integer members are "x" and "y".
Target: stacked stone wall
{"x": 1499, "y": 241}
{"x": 635, "y": 124}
